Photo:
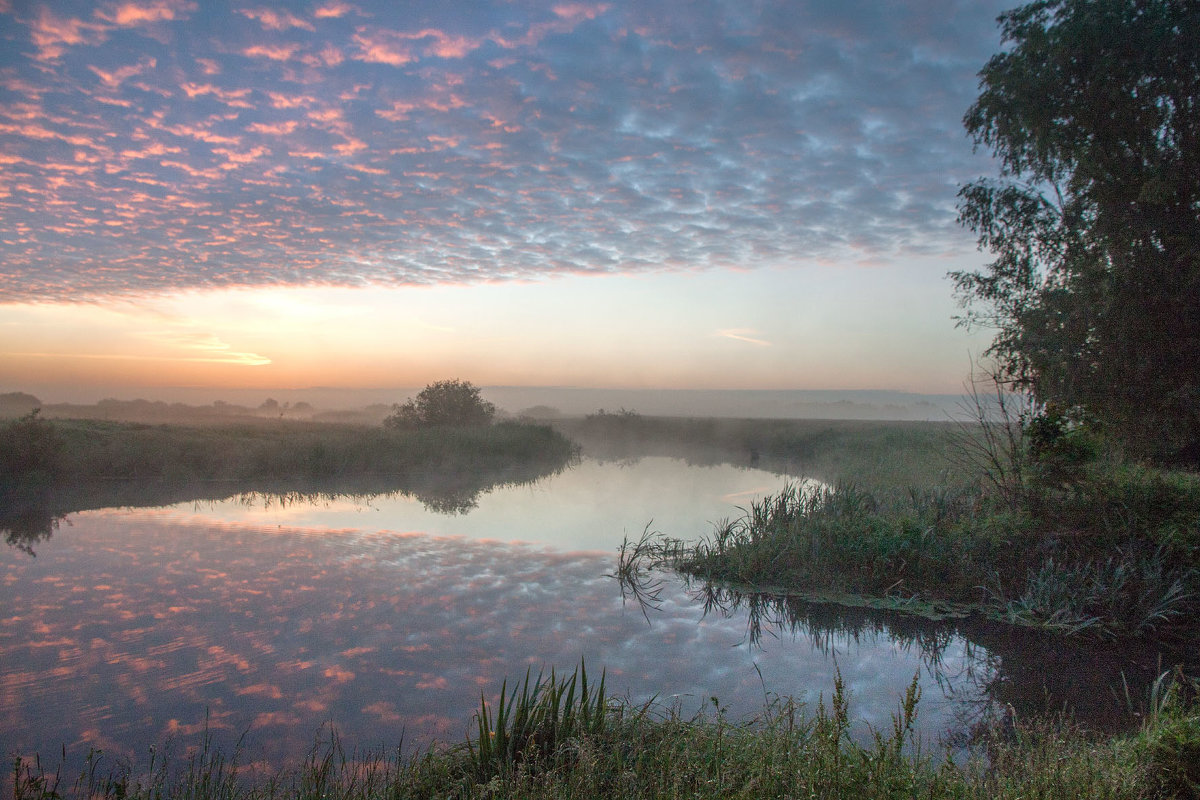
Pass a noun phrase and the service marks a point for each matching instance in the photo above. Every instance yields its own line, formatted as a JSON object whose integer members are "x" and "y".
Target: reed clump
{"x": 1116, "y": 555}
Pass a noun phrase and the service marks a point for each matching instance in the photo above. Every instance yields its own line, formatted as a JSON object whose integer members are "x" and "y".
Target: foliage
{"x": 1094, "y": 114}
{"x": 444, "y": 403}
{"x": 534, "y": 725}
{"x": 16, "y": 404}
{"x": 1116, "y": 556}
{"x": 871, "y": 453}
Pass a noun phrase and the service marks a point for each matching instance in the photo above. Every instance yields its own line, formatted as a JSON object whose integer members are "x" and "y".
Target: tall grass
{"x": 290, "y": 450}
{"x": 537, "y": 724}
{"x": 617, "y": 750}
{"x": 1124, "y": 564}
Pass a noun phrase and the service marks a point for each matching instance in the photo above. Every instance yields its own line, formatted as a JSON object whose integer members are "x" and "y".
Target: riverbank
{"x": 1031, "y": 527}
{"x": 563, "y": 738}
{"x": 874, "y": 454}
{"x": 1116, "y": 556}
{"x": 51, "y": 468}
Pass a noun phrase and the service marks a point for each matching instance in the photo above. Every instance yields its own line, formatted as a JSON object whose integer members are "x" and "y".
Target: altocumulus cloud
{"x": 157, "y": 145}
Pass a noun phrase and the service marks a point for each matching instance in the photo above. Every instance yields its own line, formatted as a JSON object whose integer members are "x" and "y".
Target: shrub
{"x": 444, "y": 403}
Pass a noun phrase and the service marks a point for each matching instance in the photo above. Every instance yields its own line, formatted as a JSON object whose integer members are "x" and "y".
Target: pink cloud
{"x": 336, "y": 9}
{"x": 236, "y": 158}
{"x": 133, "y": 14}
{"x": 275, "y": 129}
{"x": 274, "y": 20}
{"x": 279, "y": 100}
{"x": 202, "y": 134}
{"x": 445, "y": 45}
{"x": 569, "y": 16}
{"x": 235, "y": 97}
{"x": 275, "y": 52}
{"x": 52, "y": 34}
{"x": 578, "y": 11}
{"x": 382, "y": 47}
{"x": 350, "y": 146}
{"x": 114, "y": 79}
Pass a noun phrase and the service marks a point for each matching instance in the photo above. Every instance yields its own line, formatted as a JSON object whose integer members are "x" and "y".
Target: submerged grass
{"x": 612, "y": 749}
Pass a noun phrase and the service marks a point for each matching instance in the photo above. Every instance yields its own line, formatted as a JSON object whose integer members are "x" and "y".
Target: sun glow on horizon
{"x": 651, "y": 331}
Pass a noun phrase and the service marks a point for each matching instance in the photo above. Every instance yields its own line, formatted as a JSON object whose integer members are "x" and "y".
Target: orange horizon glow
{"x": 765, "y": 334}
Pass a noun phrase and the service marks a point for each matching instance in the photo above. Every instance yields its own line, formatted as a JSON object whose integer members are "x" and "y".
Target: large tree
{"x": 1093, "y": 112}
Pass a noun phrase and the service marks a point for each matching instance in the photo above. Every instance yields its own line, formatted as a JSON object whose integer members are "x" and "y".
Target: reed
{"x": 1125, "y": 564}
{"x": 533, "y": 727}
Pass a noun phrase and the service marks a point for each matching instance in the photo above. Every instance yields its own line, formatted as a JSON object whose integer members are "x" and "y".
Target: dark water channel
{"x": 383, "y": 619}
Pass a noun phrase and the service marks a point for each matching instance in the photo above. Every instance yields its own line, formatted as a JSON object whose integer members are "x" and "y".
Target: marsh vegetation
{"x": 49, "y": 468}
{"x": 561, "y": 737}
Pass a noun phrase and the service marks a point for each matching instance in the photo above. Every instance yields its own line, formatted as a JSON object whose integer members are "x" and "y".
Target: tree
{"x": 1094, "y": 116}
{"x": 444, "y": 403}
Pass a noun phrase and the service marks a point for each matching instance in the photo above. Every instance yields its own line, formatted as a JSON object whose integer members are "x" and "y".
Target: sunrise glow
{"x": 660, "y": 195}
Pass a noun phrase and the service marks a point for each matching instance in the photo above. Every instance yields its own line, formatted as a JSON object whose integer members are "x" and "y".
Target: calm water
{"x": 382, "y": 619}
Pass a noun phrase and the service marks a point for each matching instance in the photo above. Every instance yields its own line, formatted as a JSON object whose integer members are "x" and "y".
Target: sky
{"x": 636, "y": 194}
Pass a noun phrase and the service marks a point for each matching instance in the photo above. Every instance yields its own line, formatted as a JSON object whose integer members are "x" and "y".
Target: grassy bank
{"x": 1116, "y": 555}
{"x": 874, "y": 454}
{"x": 562, "y": 738}
{"x": 271, "y": 450}
{"x": 50, "y": 468}
{"x": 1029, "y": 520}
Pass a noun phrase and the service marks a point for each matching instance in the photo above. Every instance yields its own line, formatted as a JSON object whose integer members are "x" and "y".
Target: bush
{"x": 445, "y": 403}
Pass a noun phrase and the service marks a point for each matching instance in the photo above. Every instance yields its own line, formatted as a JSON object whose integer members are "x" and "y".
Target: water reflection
{"x": 28, "y": 518}
{"x": 270, "y": 615}
{"x": 591, "y": 506}
{"x": 137, "y": 628}
{"x": 28, "y": 522}
{"x": 993, "y": 670}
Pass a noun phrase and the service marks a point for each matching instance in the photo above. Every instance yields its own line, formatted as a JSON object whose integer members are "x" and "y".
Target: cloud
{"x": 274, "y": 20}
{"x": 113, "y": 79}
{"x": 348, "y": 145}
{"x": 747, "y": 335}
{"x": 275, "y": 52}
{"x": 211, "y": 350}
{"x": 336, "y": 9}
{"x": 52, "y": 34}
{"x": 135, "y": 14}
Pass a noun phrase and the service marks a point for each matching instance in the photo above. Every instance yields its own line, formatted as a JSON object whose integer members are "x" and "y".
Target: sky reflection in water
{"x": 588, "y": 507}
{"x": 130, "y": 628}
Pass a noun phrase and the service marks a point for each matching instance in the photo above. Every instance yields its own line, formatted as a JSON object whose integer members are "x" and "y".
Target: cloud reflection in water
{"x": 132, "y": 629}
